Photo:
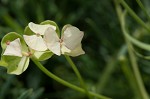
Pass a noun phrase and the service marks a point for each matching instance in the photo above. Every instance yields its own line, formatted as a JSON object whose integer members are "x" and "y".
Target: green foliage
{"x": 25, "y": 94}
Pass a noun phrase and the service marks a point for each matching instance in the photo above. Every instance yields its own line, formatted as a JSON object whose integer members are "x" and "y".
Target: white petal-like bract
{"x": 72, "y": 37}
{"x": 69, "y": 44}
{"x": 52, "y": 41}
{"x": 14, "y": 48}
{"x": 35, "y": 42}
{"x": 22, "y": 66}
{"x": 64, "y": 49}
{"x": 76, "y": 52}
{"x": 40, "y": 29}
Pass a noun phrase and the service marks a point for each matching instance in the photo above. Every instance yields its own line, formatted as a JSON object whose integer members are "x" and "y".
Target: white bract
{"x": 36, "y": 41}
{"x": 14, "y": 49}
{"x": 69, "y": 43}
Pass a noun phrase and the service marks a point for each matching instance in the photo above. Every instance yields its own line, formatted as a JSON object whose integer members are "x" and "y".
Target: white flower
{"x": 14, "y": 49}
{"x": 36, "y": 41}
{"x": 69, "y": 43}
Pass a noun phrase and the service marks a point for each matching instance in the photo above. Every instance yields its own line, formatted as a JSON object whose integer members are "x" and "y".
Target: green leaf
{"x": 41, "y": 56}
{"x": 25, "y": 94}
{"x": 52, "y": 23}
{"x": 37, "y": 93}
{"x": 3, "y": 63}
{"x": 16, "y": 65}
{"x": 12, "y": 62}
{"x": 28, "y": 31}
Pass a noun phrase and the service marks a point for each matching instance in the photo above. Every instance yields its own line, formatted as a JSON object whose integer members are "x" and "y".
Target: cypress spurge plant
{"x": 40, "y": 42}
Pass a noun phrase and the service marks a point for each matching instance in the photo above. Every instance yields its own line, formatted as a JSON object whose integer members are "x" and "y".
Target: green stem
{"x": 106, "y": 74}
{"x": 137, "y": 72}
{"x": 143, "y": 8}
{"x": 48, "y": 73}
{"x": 129, "y": 76}
{"x": 134, "y": 64}
{"x": 133, "y": 14}
{"x": 78, "y": 75}
{"x": 110, "y": 68}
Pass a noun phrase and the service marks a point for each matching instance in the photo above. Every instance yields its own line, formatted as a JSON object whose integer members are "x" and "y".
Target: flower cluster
{"x": 41, "y": 41}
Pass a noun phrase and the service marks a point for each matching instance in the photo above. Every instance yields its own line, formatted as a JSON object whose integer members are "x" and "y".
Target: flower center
{"x": 60, "y": 40}
{"x": 29, "y": 53}
{"x": 38, "y": 34}
{"x": 7, "y": 42}
{"x": 26, "y": 54}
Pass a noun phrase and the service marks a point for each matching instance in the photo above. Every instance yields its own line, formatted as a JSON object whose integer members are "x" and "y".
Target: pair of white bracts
{"x": 46, "y": 38}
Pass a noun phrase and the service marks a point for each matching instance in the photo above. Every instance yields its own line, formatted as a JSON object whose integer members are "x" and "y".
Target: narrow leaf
{"x": 25, "y": 94}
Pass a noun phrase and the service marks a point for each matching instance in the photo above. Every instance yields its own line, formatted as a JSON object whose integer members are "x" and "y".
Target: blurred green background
{"x": 103, "y": 43}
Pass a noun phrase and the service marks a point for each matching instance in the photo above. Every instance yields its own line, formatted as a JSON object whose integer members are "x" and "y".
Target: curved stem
{"x": 124, "y": 63}
{"x": 143, "y": 8}
{"x": 134, "y": 64}
{"x": 74, "y": 67}
{"x": 106, "y": 74}
{"x": 133, "y": 14}
{"x": 48, "y": 73}
{"x": 137, "y": 71}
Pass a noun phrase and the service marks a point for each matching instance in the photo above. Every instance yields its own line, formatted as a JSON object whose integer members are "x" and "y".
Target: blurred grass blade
{"x": 106, "y": 74}
{"x": 5, "y": 88}
{"x": 37, "y": 93}
{"x": 124, "y": 63}
{"x": 143, "y": 8}
{"x": 110, "y": 68}
{"x": 25, "y": 94}
{"x": 133, "y": 14}
{"x": 17, "y": 8}
{"x": 9, "y": 21}
{"x": 40, "y": 15}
